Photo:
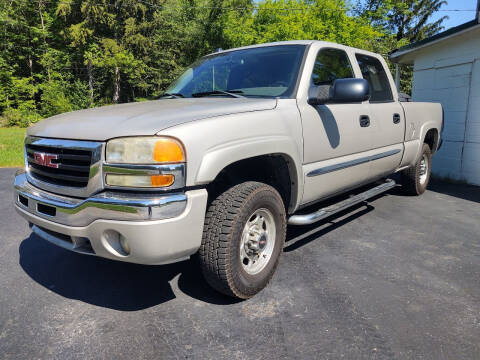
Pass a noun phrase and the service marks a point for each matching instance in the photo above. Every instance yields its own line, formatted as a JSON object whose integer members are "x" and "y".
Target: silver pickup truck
{"x": 237, "y": 148}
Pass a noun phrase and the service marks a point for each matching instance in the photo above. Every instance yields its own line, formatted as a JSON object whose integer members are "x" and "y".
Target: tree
{"x": 63, "y": 55}
{"x": 407, "y": 19}
{"x": 277, "y": 20}
{"x": 402, "y": 22}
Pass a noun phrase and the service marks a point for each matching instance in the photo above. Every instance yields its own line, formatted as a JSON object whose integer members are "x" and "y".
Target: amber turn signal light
{"x": 167, "y": 150}
{"x": 162, "y": 180}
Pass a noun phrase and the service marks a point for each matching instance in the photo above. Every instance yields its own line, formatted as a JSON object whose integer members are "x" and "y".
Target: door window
{"x": 331, "y": 64}
{"x": 374, "y": 72}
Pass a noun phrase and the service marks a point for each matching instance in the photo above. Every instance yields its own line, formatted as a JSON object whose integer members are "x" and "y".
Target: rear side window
{"x": 373, "y": 71}
{"x": 331, "y": 64}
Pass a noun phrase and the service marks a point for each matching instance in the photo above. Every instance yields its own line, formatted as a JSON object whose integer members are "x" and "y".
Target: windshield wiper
{"x": 173, "y": 95}
{"x": 232, "y": 93}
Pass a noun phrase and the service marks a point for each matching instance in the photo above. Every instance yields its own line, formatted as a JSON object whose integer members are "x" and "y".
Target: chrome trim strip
{"x": 384, "y": 154}
{"x": 177, "y": 170}
{"x": 107, "y": 205}
{"x": 351, "y": 163}
{"x": 336, "y": 167}
{"x": 95, "y": 182}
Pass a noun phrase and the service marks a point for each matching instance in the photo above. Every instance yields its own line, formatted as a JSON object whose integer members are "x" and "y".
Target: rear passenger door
{"x": 386, "y": 116}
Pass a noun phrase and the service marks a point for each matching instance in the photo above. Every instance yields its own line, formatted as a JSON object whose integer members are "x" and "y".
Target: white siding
{"x": 449, "y": 73}
{"x": 471, "y": 151}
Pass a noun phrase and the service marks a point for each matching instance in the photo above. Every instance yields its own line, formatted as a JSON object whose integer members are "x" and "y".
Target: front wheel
{"x": 415, "y": 179}
{"x": 243, "y": 238}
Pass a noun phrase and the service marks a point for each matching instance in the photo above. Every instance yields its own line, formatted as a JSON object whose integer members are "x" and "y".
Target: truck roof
{"x": 296, "y": 42}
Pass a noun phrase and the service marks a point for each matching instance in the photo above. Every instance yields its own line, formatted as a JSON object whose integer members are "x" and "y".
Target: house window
{"x": 374, "y": 72}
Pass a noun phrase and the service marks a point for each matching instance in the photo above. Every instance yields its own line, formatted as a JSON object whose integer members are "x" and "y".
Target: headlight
{"x": 144, "y": 162}
{"x": 144, "y": 150}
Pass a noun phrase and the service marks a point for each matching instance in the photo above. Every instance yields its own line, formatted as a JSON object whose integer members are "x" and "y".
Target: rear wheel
{"x": 243, "y": 239}
{"x": 415, "y": 179}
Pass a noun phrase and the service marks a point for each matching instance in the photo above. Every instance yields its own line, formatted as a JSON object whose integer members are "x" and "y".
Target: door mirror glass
{"x": 341, "y": 91}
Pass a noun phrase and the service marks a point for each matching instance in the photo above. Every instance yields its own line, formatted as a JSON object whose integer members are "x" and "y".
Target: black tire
{"x": 222, "y": 235}
{"x": 411, "y": 183}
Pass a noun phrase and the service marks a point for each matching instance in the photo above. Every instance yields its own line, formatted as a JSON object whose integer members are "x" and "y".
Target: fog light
{"x": 115, "y": 243}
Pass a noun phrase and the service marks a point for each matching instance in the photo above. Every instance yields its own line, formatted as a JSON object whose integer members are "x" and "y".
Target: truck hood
{"x": 141, "y": 118}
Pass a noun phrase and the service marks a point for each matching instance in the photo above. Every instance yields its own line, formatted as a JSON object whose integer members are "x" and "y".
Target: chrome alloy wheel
{"x": 258, "y": 241}
{"x": 423, "y": 169}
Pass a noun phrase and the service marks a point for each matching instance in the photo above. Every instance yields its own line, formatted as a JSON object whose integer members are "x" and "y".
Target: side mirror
{"x": 341, "y": 91}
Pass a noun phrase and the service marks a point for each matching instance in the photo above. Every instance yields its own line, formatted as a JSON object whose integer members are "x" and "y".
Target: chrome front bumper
{"x": 156, "y": 229}
{"x": 105, "y": 205}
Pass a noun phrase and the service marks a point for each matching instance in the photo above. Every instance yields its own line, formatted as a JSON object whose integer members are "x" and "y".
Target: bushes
{"x": 23, "y": 116}
{"x": 61, "y": 96}
{"x": 54, "y": 97}
{"x": 18, "y": 101}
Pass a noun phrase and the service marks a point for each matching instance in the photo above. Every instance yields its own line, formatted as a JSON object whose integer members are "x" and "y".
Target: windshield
{"x": 258, "y": 72}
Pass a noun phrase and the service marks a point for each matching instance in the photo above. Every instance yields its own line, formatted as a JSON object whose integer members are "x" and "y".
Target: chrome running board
{"x": 305, "y": 219}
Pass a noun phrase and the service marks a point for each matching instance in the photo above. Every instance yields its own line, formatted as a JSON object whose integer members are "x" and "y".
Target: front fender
{"x": 219, "y": 157}
{"x": 213, "y": 144}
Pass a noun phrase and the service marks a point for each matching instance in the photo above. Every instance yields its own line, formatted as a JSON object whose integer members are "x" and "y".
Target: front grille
{"x": 70, "y": 167}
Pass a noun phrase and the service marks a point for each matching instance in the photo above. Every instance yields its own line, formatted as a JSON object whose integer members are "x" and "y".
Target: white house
{"x": 447, "y": 70}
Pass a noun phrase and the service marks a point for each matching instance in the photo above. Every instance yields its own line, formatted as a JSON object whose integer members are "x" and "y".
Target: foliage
{"x": 402, "y": 22}
{"x": 407, "y": 19}
{"x": 63, "y": 55}
{"x": 278, "y": 20}
{"x": 58, "y": 96}
{"x": 23, "y": 116}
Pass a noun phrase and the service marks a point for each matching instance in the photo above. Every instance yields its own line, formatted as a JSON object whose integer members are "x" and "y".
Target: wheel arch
{"x": 428, "y": 134}
{"x": 275, "y": 169}
{"x": 431, "y": 138}
{"x": 219, "y": 159}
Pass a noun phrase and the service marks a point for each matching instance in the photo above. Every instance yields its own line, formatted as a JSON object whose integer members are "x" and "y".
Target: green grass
{"x": 11, "y": 146}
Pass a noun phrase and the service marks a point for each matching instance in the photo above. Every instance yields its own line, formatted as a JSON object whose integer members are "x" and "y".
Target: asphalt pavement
{"x": 397, "y": 278}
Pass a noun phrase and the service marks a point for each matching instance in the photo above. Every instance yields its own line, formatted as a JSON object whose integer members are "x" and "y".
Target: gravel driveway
{"x": 396, "y": 278}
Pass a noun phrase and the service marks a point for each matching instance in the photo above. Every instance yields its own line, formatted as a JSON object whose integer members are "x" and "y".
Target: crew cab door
{"x": 387, "y": 119}
{"x": 337, "y": 137}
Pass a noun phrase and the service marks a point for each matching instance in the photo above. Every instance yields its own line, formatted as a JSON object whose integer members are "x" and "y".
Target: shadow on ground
{"x": 131, "y": 287}
{"x": 298, "y": 236}
{"x": 466, "y": 192}
{"x": 111, "y": 284}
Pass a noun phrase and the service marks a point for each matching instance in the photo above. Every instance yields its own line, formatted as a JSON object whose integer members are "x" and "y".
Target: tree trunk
{"x": 90, "y": 78}
{"x": 40, "y": 8}
{"x": 30, "y": 64}
{"x": 116, "y": 85}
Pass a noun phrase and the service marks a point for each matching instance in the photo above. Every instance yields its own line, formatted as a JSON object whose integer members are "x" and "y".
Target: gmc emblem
{"x": 45, "y": 159}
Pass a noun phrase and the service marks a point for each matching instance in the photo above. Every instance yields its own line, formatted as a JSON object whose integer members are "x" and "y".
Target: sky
{"x": 457, "y": 17}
